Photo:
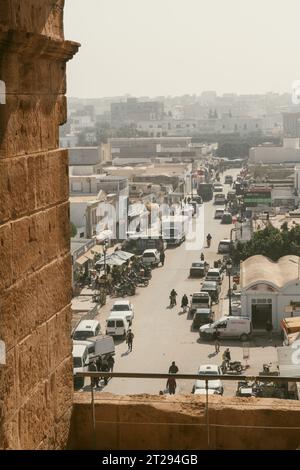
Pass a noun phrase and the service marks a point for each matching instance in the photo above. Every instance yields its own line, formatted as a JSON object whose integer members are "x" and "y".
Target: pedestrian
{"x": 162, "y": 257}
{"x": 269, "y": 329}
{"x": 105, "y": 368}
{"x": 171, "y": 385}
{"x": 173, "y": 369}
{"x": 111, "y": 363}
{"x": 217, "y": 341}
{"x": 93, "y": 368}
{"x": 99, "y": 363}
{"x": 129, "y": 339}
{"x": 226, "y": 357}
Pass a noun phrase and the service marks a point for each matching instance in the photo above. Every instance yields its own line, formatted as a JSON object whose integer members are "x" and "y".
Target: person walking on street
{"x": 217, "y": 342}
{"x": 105, "y": 368}
{"x": 172, "y": 297}
{"x": 173, "y": 369}
{"x": 111, "y": 363}
{"x": 171, "y": 385}
{"x": 129, "y": 339}
{"x": 93, "y": 368}
{"x": 269, "y": 329}
{"x": 99, "y": 367}
{"x": 184, "y": 303}
{"x": 162, "y": 257}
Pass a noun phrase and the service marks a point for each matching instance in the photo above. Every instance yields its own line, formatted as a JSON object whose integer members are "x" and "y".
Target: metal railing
{"x": 206, "y": 378}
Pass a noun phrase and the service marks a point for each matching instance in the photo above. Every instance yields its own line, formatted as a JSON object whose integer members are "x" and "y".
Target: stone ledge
{"x": 32, "y": 45}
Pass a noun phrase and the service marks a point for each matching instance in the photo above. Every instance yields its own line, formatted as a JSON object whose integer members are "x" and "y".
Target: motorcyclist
{"x": 184, "y": 302}
{"x": 208, "y": 239}
{"x": 226, "y": 356}
{"x": 173, "y": 296}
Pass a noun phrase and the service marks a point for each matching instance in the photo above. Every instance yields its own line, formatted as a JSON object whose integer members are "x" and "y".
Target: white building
{"x": 268, "y": 288}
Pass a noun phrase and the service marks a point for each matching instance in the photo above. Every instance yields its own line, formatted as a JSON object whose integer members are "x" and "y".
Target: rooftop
{"x": 259, "y": 268}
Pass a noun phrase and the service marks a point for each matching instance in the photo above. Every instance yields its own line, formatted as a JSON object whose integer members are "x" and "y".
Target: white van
{"x": 86, "y": 329}
{"x": 117, "y": 325}
{"x": 228, "y": 327}
{"x": 80, "y": 355}
{"x": 224, "y": 246}
{"x": 151, "y": 257}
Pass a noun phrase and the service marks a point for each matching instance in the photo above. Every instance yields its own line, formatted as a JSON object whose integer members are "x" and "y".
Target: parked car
{"x": 86, "y": 329}
{"x": 199, "y": 269}
{"x": 219, "y": 212}
{"x": 218, "y": 188}
{"x": 213, "y": 289}
{"x": 228, "y": 179}
{"x": 199, "y": 300}
{"x": 215, "y": 387}
{"x": 214, "y": 274}
{"x": 202, "y": 316}
{"x": 228, "y": 327}
{"x": 220, "y": 198}
{"x": 151, "y": 257}
{"x": 224, "y": 246}
{"x": 227, "y": 218}
{"x": 124, "y": 306}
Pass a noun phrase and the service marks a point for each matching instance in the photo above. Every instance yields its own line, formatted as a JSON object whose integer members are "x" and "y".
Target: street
{"x": 163, "y": 335}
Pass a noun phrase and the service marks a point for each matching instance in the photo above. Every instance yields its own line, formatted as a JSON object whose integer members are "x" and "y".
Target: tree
{"x": 73, "y": 230}
{"x": 270, "y": 242}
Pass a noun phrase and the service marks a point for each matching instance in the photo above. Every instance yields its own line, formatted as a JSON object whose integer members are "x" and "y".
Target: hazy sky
{"x": 175, "y": 47}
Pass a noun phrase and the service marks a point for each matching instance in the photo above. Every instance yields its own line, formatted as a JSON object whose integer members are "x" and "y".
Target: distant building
{"x": 132, "y": 111}
{"x": 291, "y": 124}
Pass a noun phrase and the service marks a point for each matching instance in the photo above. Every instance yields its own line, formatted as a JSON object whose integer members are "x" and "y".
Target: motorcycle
{"x": 233, "y": 366}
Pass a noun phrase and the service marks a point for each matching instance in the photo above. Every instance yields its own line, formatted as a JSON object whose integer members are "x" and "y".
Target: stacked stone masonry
{"x": 35, "y": 270}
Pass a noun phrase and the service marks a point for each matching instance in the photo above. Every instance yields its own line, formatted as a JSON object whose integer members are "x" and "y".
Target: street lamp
{"x": 228, "y": 268}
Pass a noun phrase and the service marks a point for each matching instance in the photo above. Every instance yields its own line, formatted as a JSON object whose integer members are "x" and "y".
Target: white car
{"x": 215, "y": 387}
{"x": 124, "y": 306}
{"x": 151, "y": 257}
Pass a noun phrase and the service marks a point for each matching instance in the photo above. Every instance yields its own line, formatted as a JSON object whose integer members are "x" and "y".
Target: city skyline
{"x": 135, "y": 48}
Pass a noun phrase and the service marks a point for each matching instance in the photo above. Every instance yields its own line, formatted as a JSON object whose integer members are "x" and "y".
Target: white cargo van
{"x": 98, "y": 346}
{"x": 80, "y": 362}
{"x": 228, "y": 327}
{"x": 117, "y": 324}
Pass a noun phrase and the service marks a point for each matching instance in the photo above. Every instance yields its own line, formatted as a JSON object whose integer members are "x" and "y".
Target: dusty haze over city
{"x": 175, "y": 47}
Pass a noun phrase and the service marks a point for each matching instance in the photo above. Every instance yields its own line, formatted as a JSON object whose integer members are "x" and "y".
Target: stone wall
{"x": 179, "y": 422}
{"x": 35, "y": 271}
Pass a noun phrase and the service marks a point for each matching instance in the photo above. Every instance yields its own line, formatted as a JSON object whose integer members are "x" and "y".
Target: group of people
{"x": 101, "y": 364}
{"x": 173, "y": 301}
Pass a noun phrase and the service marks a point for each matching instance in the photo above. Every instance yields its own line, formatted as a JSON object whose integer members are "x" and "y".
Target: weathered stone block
{"x": 19, "y": 311}
{"x": 54, "y": 287}
{"x": 63, "y": 388}
{"x": 9, "y": 393}
{"x": 28, "y": 244}
{"x": 33, "y": 360}
{"x": 63, "y": 212}
{"x": 5, "y": 202}
{"x": 39, "y": 182}
{"x": 59, "y": 338}
{"x": 6, "y": 256}
{"x": 35, "y": 419}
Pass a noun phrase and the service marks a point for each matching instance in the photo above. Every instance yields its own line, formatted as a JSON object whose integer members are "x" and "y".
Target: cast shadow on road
{"x": 125, "y": 353}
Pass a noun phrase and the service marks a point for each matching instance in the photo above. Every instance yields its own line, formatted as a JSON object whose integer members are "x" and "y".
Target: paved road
{"x": 162, "y": 334}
